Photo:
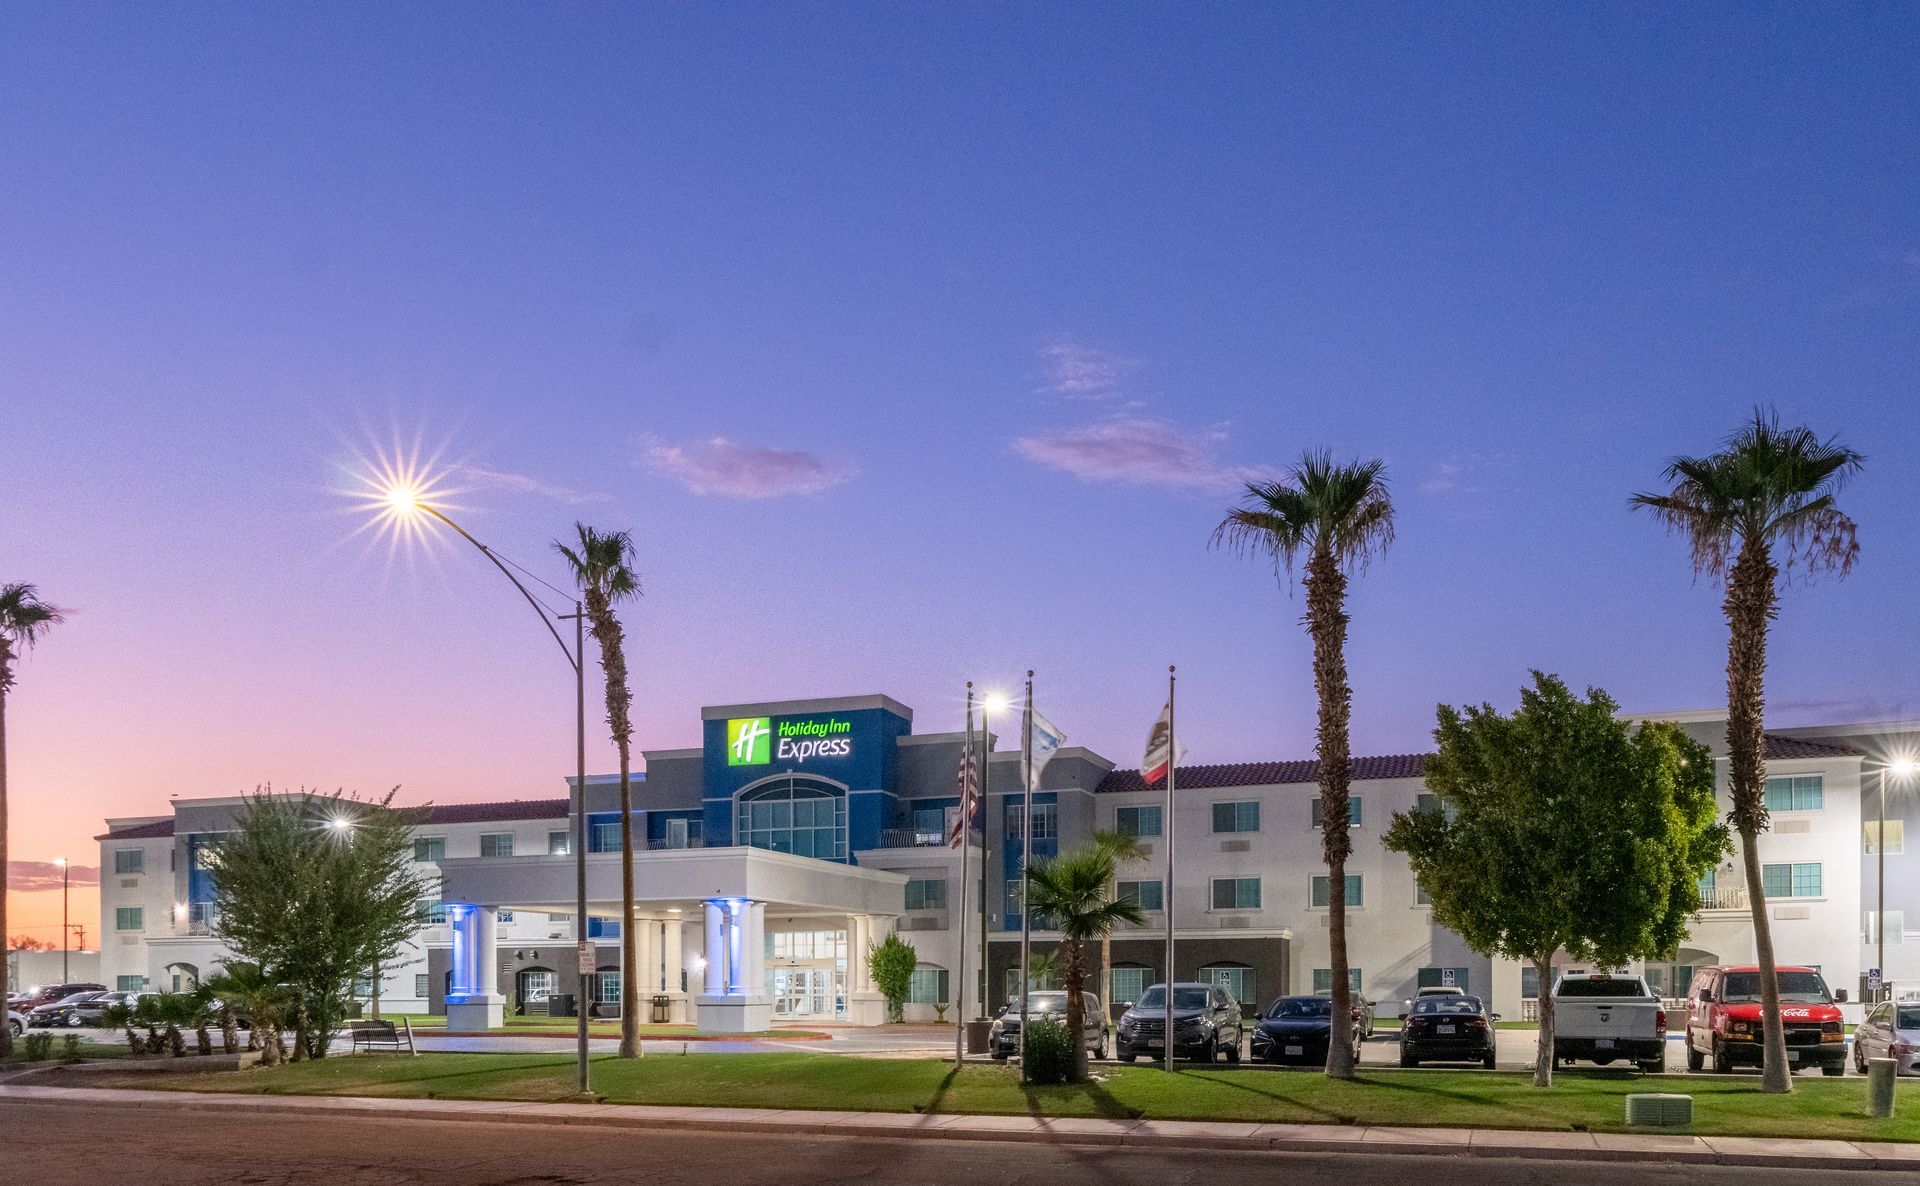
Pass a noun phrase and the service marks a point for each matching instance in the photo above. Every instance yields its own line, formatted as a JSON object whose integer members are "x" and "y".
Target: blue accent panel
{"x": 602, "y": 928}
{"x": 870, "y": 764}
{"x": 868, "y": 813}
{"x": 718, "y": 822}
{"x": 199, "y": 877}
{"x": 657, "y": 821}
{"x": 1046, "y": 846}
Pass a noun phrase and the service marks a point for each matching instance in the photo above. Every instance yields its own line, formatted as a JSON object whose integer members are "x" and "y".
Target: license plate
{"x": 1296, "y": 1050}
{"x": 1603, "y": 1043}
{"x": 1443, "y": 1029}
{"x": 1154, "y": 1043}
{"x": 1793, "y": 1056}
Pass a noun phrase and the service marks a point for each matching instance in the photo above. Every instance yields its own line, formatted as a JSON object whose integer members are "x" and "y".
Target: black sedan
{"x": 1299, "y": 1030}
{"x": 74, "y": 1011}
{"x": 1447, "y": 1029}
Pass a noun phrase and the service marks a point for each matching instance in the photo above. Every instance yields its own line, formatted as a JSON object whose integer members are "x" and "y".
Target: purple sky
{"x": 915, "y": 344}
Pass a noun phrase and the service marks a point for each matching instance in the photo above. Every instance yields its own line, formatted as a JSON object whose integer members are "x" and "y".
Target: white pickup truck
{"x": 1603, "y": 1018}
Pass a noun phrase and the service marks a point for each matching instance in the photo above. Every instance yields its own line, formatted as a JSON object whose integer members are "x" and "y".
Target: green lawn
{"x": 1725, "y": 1106}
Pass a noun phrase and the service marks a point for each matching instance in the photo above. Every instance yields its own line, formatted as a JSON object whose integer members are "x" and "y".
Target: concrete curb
{"x": 1784, "y": 1153}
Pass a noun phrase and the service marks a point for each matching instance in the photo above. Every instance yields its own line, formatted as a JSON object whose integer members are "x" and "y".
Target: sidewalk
{"x": 1298, "y": 1138}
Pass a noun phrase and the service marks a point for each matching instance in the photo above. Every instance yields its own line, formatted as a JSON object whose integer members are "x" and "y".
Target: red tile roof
{"x": 1257, "y": 774}
{"x": 140, "y": 831}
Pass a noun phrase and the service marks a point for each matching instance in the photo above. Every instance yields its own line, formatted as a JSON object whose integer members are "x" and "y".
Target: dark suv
{"x": 1206, "y": 1024}
{"x": 1003, "y": 1038}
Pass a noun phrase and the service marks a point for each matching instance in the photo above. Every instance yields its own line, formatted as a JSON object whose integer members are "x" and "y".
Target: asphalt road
{"x": 59, "y": 1144}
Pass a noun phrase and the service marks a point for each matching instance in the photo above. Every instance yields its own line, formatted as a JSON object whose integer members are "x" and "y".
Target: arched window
{"x": 803, "y": 816}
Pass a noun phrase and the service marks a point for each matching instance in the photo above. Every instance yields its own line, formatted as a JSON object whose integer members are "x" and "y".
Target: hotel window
{"x": 1791, "y": 881}
{"x": 927, "y": 986}
{"x": 1530, "y": 982}
{"x": 1236, "y": 893}
{"x": 603, "y": 928}
{"x": 430, "y": 849}
{"x": 129, "y": 983}
{"x": 1129, "y": 983}
{"x": 1795, "y": 792}
{"x": 496, "y": 844}
{"x": 1443, "y": 978}
{"x": 1323, "y": 980}
{"x": 1137, "y": 821}
{"x": 559, "y": 844}
{"x": 927, "y": 893}
{"x": 929, "y": 825}
{"x": 1144, "y": 894}
{"x": 129, "y": 860}
{"x": 1430, "y": 802}
{"x": 802, "y": 818}
{"x": 1356, "y": 892}
{"x": 420, "y": 985}
{"x": 1353, "y": 812}
{"x": 1236, "y": 979}
{"x": 603, "y": 831}
{"x": 1896, "y": 927}
{"x": 1420, "y": 897}
{"x": 606, "y": 987}
{"x": 504, "y": 916}
{"x": 433, "y": 913}
{"x": 129, "y": 918}
{"x": 1896, "y": 837}
{"x": 1236, "y": 817}
{"x": 1046, "y": 821}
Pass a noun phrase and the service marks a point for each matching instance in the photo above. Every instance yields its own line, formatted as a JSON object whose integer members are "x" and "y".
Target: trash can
{"x": 560, "y": 1004}
{"x": 977, "y": 1036}
{"x": 661, "y": 1004}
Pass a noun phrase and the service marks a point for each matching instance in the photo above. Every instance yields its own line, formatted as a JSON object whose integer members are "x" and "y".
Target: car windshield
{"x": 1798, "y": 988}
{"x": 1601, "y": 987}
{"x": 75, "y": 998}
{"x": 1046, "y": 1002}
{"x": 1448, "y": 1006}
{"x": 1907, "y": 1019}
{"x": 1183, "y": 998}
{"x": 1301, "y": 1007}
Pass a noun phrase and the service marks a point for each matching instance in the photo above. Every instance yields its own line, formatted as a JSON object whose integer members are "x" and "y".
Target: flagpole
{"x": 966, "y": 840}
{"x": 986, "y": 853}
{"x": 1173, "y": 760}
{"x": 1026, "y": 860}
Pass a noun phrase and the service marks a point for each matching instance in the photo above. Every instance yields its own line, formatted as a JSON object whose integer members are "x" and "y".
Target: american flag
{"x": 968, "y": 779}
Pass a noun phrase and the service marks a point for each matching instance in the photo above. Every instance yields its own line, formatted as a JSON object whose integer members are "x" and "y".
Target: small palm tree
{"x": 1125, "y": 847}
{"x": 1338, "y": 517}
{"x": 1075, "y": 891}
{"x": 603, "y": 567}
{"x": 24, "y": 620}
{"x": 124, "y": 1017}
{"x": 1762, "y": 504}
{"x": 244, "y": 988}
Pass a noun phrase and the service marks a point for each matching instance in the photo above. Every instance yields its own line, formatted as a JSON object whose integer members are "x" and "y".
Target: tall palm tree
{"x": 1336, "y": 516}
{"x": 24, "y": 620}
{"x": 1762, "y": 504}
{"x": 1074, "y": 890}
{"x": 603, "y": 568}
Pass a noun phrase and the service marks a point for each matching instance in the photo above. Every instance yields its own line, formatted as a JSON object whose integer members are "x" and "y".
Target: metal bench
{"x": 381, "y": 1035}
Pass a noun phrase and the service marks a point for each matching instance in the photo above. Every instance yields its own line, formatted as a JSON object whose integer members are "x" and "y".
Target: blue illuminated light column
{"x": 734, "y": 1002}
{"x": 474, "y": 1003}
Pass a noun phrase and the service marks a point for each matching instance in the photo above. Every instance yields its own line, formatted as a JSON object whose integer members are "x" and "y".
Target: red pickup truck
{"x": 1723, "y": 1020}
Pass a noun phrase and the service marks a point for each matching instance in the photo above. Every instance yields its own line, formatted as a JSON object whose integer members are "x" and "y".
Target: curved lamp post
{"x": 403, "y": 501}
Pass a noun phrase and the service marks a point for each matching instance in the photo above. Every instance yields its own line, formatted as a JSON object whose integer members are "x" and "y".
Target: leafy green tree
{"x": 1762, "y": 504}
{"x": 603, "y": 567}
{"x": 1337, "y": 517}
{"x": 892, "y": 961}
{"x": 1565, "y": 828}
{"x": 24, "y": 620}
{"x": 318, "y": 888}
{"x": 1075, "y": 891}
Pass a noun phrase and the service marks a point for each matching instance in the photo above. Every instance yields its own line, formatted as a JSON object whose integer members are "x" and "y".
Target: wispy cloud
{"x": 1079, "y": 371}
{"x": 1460, "y": 473}
{"x": 732, "y": 470}
{"x": 526, "y": 484}
{"x": 32, "y": 877}
{"x": 1139, "y": 450}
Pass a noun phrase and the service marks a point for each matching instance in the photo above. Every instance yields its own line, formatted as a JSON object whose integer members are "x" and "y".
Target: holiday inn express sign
{"x": 759, "y": 741}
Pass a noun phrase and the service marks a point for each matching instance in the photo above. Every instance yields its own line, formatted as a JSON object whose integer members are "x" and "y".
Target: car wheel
{"x": 1126, "y": 1058}
{"x": 1654, "y": 1067}
{"x": 1233, "y": 1053}
{"x": 1859, "y": 1063}
{"x": 1487, "y": 1062}
{"x": 1695, "y": 1060}
{"x": 1100, "y": 1051}
{"x": 75, "y": 1021}
{"x": 1722, "y": 1062}
{"x": 1833, "y": 1069}
{"x": 1408, "y": 1060}
{"x": 1000, "y": 1056}
{"x": 1210, "y": 1053}
{"x": 16, "y": 1028}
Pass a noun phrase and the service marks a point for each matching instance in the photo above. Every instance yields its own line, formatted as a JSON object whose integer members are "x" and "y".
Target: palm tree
{"x": 1074, "y": 890}
{"x": 1125, "y": 847}
{"x": 1337, "y": 516}
{"x": 603, "y": 568}
{"x": 124, "y": 1017}
{"x": 24, "y": 618}
{"x": 1768, "y": 490}
{"x": 245, "y": 988}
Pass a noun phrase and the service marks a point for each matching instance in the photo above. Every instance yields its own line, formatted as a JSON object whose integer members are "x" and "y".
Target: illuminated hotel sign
{"x": 758, "y": 741}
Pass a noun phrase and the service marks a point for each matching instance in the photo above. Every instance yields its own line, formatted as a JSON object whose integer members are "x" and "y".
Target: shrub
{"x": 37, "y": 1047}
{"x": 1049, "y": 1051}
{"x": 70, "y": 1048}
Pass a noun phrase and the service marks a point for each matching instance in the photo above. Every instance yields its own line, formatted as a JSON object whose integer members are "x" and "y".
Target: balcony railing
{"x": 911, "y": 838}
{"x": 1724, "y": 897}
{"x": 201, "y": 919}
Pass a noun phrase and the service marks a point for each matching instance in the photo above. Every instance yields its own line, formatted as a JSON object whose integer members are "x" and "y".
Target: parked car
{"x": 1003, "y": 1037}
{"x": 1723, "y": 1019}
{"x": 1448, "y": 1027}
{"x": 47, "y": 994}
{"x": 1299, "y": 1030}
{"x": 66, "y": 1012}
{"x": 1423, "y": 994}
{"x": 1891, "y": 1030}
{"x": 1362, "y": 1012}
{"x": 1602, "y": 1018}
{"x": 17, "y": 1022}
{"x": 1206, "y": 1024}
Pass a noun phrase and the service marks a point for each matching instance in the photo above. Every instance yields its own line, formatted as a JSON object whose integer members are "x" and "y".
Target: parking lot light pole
{"x": 1903, "y": 767}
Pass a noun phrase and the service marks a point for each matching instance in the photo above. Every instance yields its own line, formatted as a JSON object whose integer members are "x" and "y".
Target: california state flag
{"x": 1160, "y": 743}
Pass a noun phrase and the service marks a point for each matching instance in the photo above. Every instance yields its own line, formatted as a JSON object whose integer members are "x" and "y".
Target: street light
{"x": 65, "y": 931}
{"x": 401, "y": 498}
{"x": 1901, "y": 767}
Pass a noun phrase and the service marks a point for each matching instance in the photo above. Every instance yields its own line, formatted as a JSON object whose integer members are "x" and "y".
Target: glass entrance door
{"x": 802, "y": 992}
